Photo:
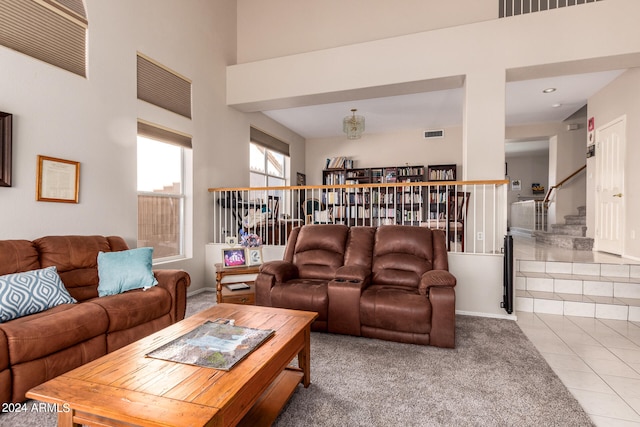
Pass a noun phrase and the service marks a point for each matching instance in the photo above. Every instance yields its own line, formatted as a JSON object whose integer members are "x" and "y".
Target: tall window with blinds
{"x": 161, "y": 189}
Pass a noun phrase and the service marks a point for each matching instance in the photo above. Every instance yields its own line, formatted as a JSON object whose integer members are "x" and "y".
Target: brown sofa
{"x": 38, "y": 347}
{"x": 389, "y": 282}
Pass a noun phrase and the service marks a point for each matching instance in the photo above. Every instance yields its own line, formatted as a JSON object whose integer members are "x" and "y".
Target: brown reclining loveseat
{"x": 389, "y": 282}
{"x": 37, "y": 347}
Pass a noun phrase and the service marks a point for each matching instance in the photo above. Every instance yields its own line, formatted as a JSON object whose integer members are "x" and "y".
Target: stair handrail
{"x": 558, "y": 185}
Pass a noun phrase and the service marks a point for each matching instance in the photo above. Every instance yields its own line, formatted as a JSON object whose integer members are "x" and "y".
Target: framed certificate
{"x": 57, "y": 180}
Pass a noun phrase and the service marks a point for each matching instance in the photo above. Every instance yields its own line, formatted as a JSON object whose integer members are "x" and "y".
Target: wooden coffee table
{"x": 127, "y": 388}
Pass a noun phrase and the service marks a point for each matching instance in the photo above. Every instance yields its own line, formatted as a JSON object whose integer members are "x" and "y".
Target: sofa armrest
{"x": 436, "y": 278}
{"x": 280, "y": 270}
{"x": 176, "y": 283}
{"x": 270, "y": 274}
{"x": 353, "y": 273}
{"x": 443, "y": 317}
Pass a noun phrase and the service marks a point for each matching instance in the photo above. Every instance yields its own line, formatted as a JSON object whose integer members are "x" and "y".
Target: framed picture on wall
{"x": 5, "y": 149}
{"x": 516, "y": 184}
{"x": 57, "y": 180}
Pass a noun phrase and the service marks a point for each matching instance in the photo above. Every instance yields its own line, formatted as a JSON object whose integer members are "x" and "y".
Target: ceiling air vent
{"x": 429, "y": 134}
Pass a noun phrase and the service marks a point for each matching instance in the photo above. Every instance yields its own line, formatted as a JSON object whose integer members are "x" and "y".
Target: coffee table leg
{"x": 65, "y": 418}
{"x": 304, "y": 358}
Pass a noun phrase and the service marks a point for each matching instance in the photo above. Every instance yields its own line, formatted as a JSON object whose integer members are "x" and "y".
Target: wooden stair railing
{"x": 558, "y": 185}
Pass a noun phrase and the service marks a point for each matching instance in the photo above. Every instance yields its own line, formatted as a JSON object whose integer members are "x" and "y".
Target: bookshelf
{"x": 375, "y": 205}
{"x": 438, "y": 195}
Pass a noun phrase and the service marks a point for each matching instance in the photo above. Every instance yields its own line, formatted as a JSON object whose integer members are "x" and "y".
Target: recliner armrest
{"x": 280, "y": 270}
{"x": 436, "y": 278}
{"x": 352, "y": 273}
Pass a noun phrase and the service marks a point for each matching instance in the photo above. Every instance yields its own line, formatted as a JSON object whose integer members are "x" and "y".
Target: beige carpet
{"x": 494, "y": 377}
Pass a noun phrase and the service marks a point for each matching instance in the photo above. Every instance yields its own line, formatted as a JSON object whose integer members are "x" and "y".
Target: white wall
{"x": 528, "y": 169}
{"x": 268, "y": 29}
{"x": 485, "y": 53}
{"x": 617, "y": 99}
{"x": 571, "y": 156}
{"x": 93, "y": 121}
{"x": 388, "y": 149}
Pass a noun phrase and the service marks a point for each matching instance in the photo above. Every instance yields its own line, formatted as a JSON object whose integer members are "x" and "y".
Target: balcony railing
{"x": 528, "y": 216}
{"x": 472, "y": 213}
{"x": 520, "y": 7}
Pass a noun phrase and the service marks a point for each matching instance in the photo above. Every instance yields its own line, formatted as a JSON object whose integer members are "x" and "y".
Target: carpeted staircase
{"x": 570, "y": 235}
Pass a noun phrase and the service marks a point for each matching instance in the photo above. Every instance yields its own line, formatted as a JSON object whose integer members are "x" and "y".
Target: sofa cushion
{"x": 401, "y": 255}
{"x": 125, "y": 270}
{"x": 71, "y": 252}
{"x": 56, "y": 329}
{"x": 31, "y": 292}
{"x": 302, "y": 294}
{"x": 134, "y": 307}
{"x": 319, "y": 250}
{"x": 17, "y": 256}
{"x": 395, "y": 309}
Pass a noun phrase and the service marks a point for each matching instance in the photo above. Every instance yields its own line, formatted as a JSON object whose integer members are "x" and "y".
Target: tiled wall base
{"x": 603, "y": 291}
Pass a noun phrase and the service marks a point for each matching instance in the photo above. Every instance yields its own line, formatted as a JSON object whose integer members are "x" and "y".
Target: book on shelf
{"x": 412, "y": 198}
{"x": 334, "y": 179}
{"x": 441, "y": 175}
{"x": 390, "y": 176}
{"x": 333, "y": 198}
{"x": 340, "y": 162}
{"x": 411, "y": 171}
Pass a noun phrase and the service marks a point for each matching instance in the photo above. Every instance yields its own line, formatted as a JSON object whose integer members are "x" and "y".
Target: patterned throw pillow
{"x": 31, "y": 292}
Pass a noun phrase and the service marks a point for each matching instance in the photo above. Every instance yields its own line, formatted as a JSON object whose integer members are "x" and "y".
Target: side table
{"x": 224, "y": 295}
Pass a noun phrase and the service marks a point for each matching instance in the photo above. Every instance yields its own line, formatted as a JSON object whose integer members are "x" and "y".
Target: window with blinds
{"x": 161, "y": 170}
{"x": 53, "y": 31}
{"x": 163, "y": 87}
{"x": 268, "y": 159}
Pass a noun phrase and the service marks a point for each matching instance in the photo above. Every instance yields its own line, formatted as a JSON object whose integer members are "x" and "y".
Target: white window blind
{"x": 53, "y": 31}
{"x": 163, "y": 87}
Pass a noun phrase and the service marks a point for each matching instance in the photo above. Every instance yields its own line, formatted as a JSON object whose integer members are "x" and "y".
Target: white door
{"x": 610, "y": 197}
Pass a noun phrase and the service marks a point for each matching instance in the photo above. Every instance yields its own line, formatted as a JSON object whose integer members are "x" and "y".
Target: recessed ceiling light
{"x": 549, "y": 90}
{"x": 556, "y": 105}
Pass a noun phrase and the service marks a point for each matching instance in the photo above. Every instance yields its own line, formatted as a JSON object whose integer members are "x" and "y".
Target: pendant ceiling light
{"x": 353, "y": 125}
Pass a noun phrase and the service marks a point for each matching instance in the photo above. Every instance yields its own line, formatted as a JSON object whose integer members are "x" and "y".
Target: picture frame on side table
{"x": 5, "y": 148}
{"x": 234, "y": 257}
{"x": 254, "y": 256}
{"x": 57, "y": 180}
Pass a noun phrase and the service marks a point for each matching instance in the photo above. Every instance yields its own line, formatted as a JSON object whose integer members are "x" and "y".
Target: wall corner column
{"x": 483, "y": 129}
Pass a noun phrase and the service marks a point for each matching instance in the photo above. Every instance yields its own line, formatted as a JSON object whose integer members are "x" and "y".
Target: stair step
{"x": 599, "y": 290}
{"x": 575, "y": 219}
{"x": 569, "y": 230}
{"x": 582, "y": 210}
{"x": 564, "y": 241}
{"x": 578, "y": 305}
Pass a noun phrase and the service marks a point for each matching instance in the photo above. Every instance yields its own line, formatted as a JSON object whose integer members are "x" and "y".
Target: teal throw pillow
{"x": 125, "y": 270}
{"x": 31, "y": 292}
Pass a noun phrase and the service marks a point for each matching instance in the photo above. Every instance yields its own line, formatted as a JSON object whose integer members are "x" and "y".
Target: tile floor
{"x": 597, "y": 359}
